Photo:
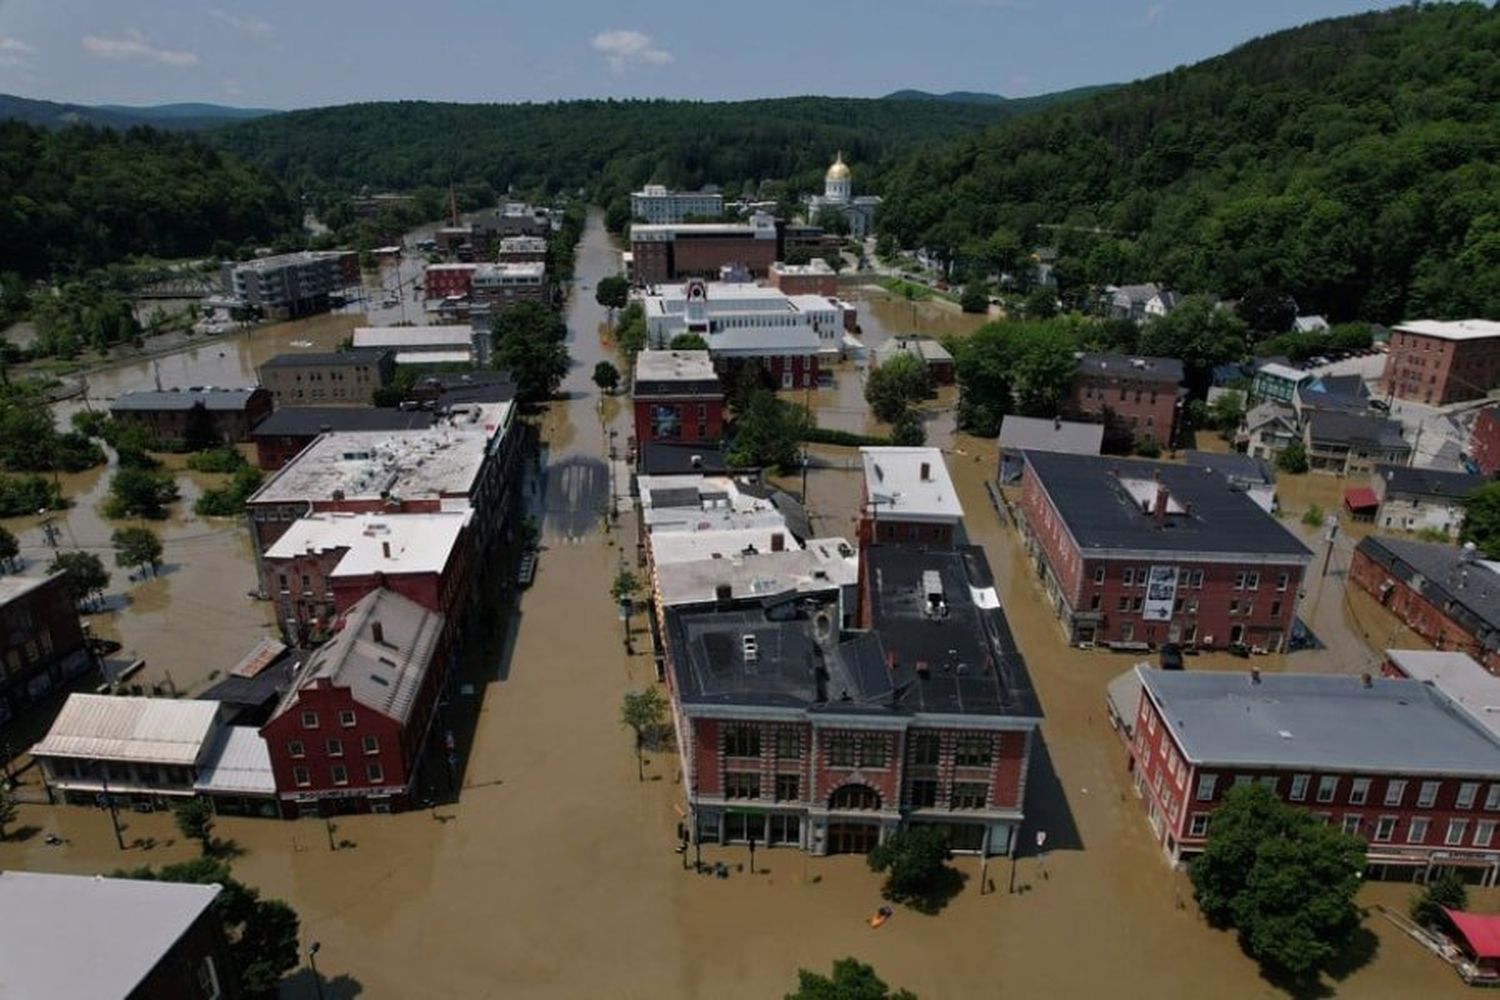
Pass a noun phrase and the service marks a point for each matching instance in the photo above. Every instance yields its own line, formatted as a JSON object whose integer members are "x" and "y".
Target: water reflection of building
{"x": 838, "y": 196}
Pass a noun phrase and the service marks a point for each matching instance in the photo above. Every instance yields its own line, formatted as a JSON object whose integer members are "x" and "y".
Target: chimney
{"x": 1160, "y": 511}
{"x": 338, "y": 495}
{"x": 723, "y": 593}
{"x": 1255, "y": 675}
{"x": 778, "y": 542}
{"x": 1057, "y": 423}
{"x": 377, "y": 633}
{"x": 926, "y": 472}
{"x": 385, "y": 549}
{"x": 1366, "y": 681}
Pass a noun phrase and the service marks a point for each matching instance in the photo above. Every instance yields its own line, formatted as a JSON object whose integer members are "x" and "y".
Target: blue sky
{"x": 304, "y": 53}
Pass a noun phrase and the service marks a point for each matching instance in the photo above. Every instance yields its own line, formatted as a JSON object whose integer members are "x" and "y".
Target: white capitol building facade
{"x": 838, "y": 194}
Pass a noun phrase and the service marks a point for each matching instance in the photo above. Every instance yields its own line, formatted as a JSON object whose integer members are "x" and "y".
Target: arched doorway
{"x": 847, "y": 836}
{"x": 860, "y": 797}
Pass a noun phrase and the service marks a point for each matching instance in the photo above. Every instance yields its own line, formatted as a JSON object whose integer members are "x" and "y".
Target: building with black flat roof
{"x": 796, "y": 732}
{"x": 282, "y": 435}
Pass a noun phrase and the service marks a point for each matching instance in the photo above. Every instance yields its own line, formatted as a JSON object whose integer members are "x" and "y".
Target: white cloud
{"x": 134, "y": 46}
{"x": 1155, "y": 12}
{"x": 624, "y": 49}
{"x": 14, "y": 53}
{"x": 251, "y": 27}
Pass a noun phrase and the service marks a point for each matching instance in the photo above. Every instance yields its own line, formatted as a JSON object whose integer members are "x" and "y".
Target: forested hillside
{"x": 1354, "y": 163}
{"x": 81, "y": 198}
{"x": 604, "y": 147}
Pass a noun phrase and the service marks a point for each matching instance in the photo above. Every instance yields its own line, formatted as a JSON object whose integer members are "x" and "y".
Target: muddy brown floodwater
{"x": 555, "y": 875}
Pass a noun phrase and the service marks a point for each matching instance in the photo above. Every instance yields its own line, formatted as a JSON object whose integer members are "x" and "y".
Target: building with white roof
{"x": 709, "y": 308}
{"x": 908, "y": 497}
{"x": 1440, "y": 362}
{"x": 425, "y": 344}
{"x": 1457, "y": 675}
{"x": 505, "y": 284}
{"x": 655, "y": 204}
{"x": 828, "y": 565}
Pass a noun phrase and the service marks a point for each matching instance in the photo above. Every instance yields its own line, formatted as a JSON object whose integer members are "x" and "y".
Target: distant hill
{"x": 956, "y": 96}
{"x": 1013, "y": 104}
{"x": 175, "y": 117}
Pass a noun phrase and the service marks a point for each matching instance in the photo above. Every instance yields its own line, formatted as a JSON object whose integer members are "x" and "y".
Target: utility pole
{"x": 114, "y": 817}
{"x": 1333, "y": 530}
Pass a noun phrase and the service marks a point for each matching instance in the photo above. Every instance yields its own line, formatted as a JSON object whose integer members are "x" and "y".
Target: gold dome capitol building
{"x": 838, "y": 195}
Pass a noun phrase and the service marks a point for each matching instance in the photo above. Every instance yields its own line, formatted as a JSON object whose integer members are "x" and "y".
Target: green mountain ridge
{"x": 176, "y": 117}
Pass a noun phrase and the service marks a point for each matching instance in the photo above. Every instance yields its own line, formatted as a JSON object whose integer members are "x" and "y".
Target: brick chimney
{"x": 926, "y": 472}
{"x": 377, "y": 633}
{"x": 1160, "y": 510}
{"x": 778, "y": 542}
{"x": 385, "y": 549}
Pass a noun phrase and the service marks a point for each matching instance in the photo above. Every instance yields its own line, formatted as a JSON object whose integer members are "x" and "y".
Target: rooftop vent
{"x": 934, "y": 605}
{"x": 750, "y": 647}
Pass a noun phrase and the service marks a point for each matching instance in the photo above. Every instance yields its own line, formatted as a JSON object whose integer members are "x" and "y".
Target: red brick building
{"x": 795, "y": 733}
{"x": 173, "y": 416}
{"x": 812, "y": 278}
{"x": 41, "y": 642}
{"x": 670, "y": 252}
{"x": 1436, "y": 362}
{"x": 908, "y": 498}
{"x": 439, "y": 281}
{"x": 1134, "y": 397}
{"x": 325, "y": 563}
{"x": 1429, "y": 801}
{"x": 350, "y": 735}
{"x": 677, "y": 397}
{"x": 1484, "y": 440}
{"x": 1448, "y": 596}
{"x": 1135, "y": 554}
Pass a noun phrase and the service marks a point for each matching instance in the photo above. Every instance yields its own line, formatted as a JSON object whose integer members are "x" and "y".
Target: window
{"x": 1124, "y": 603}
{"x": 1299, "y": 787}
{"x": 1239, "y": 581}
{"x": 742, "y": 741}
{"x": 841, "y": 751}
{"x": 738, "y": 785}
{"x": 1351, "y": 824}
{"x": 1241, "y": 780}
{"x": 1234, "y": 605}
{"x": 1098, "y": 575}
{"x": 1492, "y": 797}
{"x": 1135, "y": 603}
{"x": 1395, "y": 791}
{"x": 1252, "y": 581}
{"x": 370, "y": 744}
{"x": 1428, "y": 795}
{"x": 1128, "y": 577}
{"x": 1197, "y": 579}
{"x": 788, "y": 744}
{"x": 973, "y": 751}
{"x": 969, "y": 795}
{"x": 1456, "y": 829}
{"x": 1198, "y": 826}
{"x": 1268, "y": 782}
{"x": 1328, "y": 786}
{"x": 294, "y": 748}
{"x": 788, "y": 787}
{"x": 1275, "y": 609}
{"x": 1206, "y": 785}
{"x": 1484, "y": 832}
{"x": 872, "y": 751}
{"x": 309, "y": 720}
{"x": 208, "y": 979}
{"x": 1359, "y": 791}
{"x": 1467, "y": 792}
{"x": 1281, "y": 579}
{"x": 1385, "y": 828}
{"x": 346, "y": 719}
{"x": 335, "y": 748}
{"x": 925, "y": 748}
{"x": 374, "y": 772}
{"x": 339, "y": 773}
{"x": 301, "y": 777}
{"x": 1417, "y": 832}
{"x": 924, "y": 793}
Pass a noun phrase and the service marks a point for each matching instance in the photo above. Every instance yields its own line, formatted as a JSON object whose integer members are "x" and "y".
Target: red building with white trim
{"x": 1134, "y": 397}
{"x": 1394, "y": 761}
{"x": 677, "y": 397}
{"x": 439, "y": 281}
{"x": 908, "y": 498}
{"x": 1484, "y": 440}
{"x": 1448, "y": 596}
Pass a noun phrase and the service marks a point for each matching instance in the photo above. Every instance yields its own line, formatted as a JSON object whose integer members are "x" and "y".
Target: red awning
{"x": 1480, "y": 930}
{"x": 1361, "y": 498}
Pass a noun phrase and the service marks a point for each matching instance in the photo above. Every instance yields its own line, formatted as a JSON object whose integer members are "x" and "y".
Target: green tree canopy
{"x": 21, "y": 495}
{"x": 136, "y": 546}
{"x": 1199, "y": 333}
{"x": 1293, "y": 458}
{"x": 86, "y": 575}
{"x": 195, "y": 820}
{"x": 606, "y": 376}
{"x": 1482, "y": 520}
{"x": 8, "y": 809}
{"x": 529, "y": 345}
{"x": 135, "y": 492}
{"x": 1282, "y": 878}
{"x": 974, "y": 298}
{"x": 851, "y": 980}
{"x": 908, "y": 431}
{"x": 688, "y": 342}
{"x": 10, "y": 549}
{"x": 1012, "y": 365}
{"x": 1447, "y": 891}
{"x": 894, "y": 386}
{"x": 914, "y": 860}
{"x": 768, "y": 432}
{"x": 612, "y": 292}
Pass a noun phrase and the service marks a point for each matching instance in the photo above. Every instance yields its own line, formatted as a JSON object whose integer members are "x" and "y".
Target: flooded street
{"x": 555, "y": 875}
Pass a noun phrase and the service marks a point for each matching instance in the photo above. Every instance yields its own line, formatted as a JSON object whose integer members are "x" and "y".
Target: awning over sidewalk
{"x": 1480, "y": 931}
{"x": 1361, "y": 500}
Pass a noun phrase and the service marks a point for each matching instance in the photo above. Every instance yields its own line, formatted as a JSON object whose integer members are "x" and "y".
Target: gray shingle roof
{"x": 1320, "y": 722}
{"x": 1092, "y": 498}
{"x": 1168, "y": 370}
{"x": 1353, "y": 430}
{"x": 1405, "y": 480}
{"x": 1019, "y": 433}
{"x": 185, "y": 399}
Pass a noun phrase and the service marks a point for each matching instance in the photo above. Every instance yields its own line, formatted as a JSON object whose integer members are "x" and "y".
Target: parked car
{"x": 1170, "y": 656}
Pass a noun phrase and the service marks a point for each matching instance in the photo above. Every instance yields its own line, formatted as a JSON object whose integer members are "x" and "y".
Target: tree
{"x": 1293, "y": 458}
{"x": 1267, "y": 311}
{"x": 832, "y": 220}
{"x": 537, "y": 363}
{"x": 227, "y": 501}
{"x": 974, "y": 298}
{"x": 1482, "y": 520}
{"x": 896, "y": 385}
{"x": 625, "y": 585}
{"x": 612, "y": 292}
{"x": 914, "y": 861}
{"x": 644, "y": 712}
{"x": 8, "y": 809}
{"x": 136, "y": 546}
{"x": 908, "y": 431}
{"x": 688, "y": 342}
{"x": 1447, "y": 891}
{"x": 1012, "y": 365}
{"x": 1282, "y": 878}
{"x": 195, "y": 820}
{"x": 262, "y": 932}
{"x": 530, "y": 319}
{"x": 768, "y": 432}
{"x": 852, "y": 980}
{"x": 86, "y": 575}
{"x": 31, "y": 494}
{"x": 1198, "y": 332}
{"x": 1041, "y": 303}
{"x": 140, "y": 493}
{"x": 606, "y": 376}
{"x": 1227, "y": 412}
{"x": 10, "y": 549}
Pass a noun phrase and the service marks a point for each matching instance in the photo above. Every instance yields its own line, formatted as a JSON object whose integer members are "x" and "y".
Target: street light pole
{"x": 312, "y": 961}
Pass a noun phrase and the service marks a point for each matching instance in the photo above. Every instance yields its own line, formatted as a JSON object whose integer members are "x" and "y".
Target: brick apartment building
{"x": 440, "y": 281}
{"x": 171, "y": 416}
{"x": 42, "y": 644}
{"x": 328, "y": 378}
{"x": 674, "y": 251}
{"x": 1448, "y": 596}
{"x": 285, "y": 433}
{"x": 908, "y": 498}
{"x": 1437, "y": 362}
{"x": 1425, "y": 802}
{"x": 350, "y": 735}
{"x": 813, "y": 278}
{"x": 795, "y": 733}
{"x": 1142, "y": 553}
{"x": 1134, "y": 397}
{"x": 325, "y": 563}
{"x": 522, "y": 250}
{"x": 788, "y": 357}
{"x": 1484, "y": 441}
{"x": 501, "y": 285}
{"x": 677, "y": 397}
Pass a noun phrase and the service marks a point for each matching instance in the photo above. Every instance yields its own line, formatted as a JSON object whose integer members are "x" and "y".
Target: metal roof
{"x": 1320, "y": 722}
{"x": 81, "y": 937}
{"x": 299, "y": 359}
{"x": 1457, "y": 675}
{"x": 1018, "y": 433}
{"x": 1463, "y": 329}
{"x": 212, "y": 398}
{"x": 239, "y": 763}
{"x": 1404, "y": 480}
{"x": 897, "y": 488}
{"x": 148, "y": 730}
{"x": 1468, "y": 590}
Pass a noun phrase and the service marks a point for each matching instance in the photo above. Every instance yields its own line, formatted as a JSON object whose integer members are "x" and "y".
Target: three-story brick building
{"x": 1134, "y": 397}
{"x": 677, "y": 397}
